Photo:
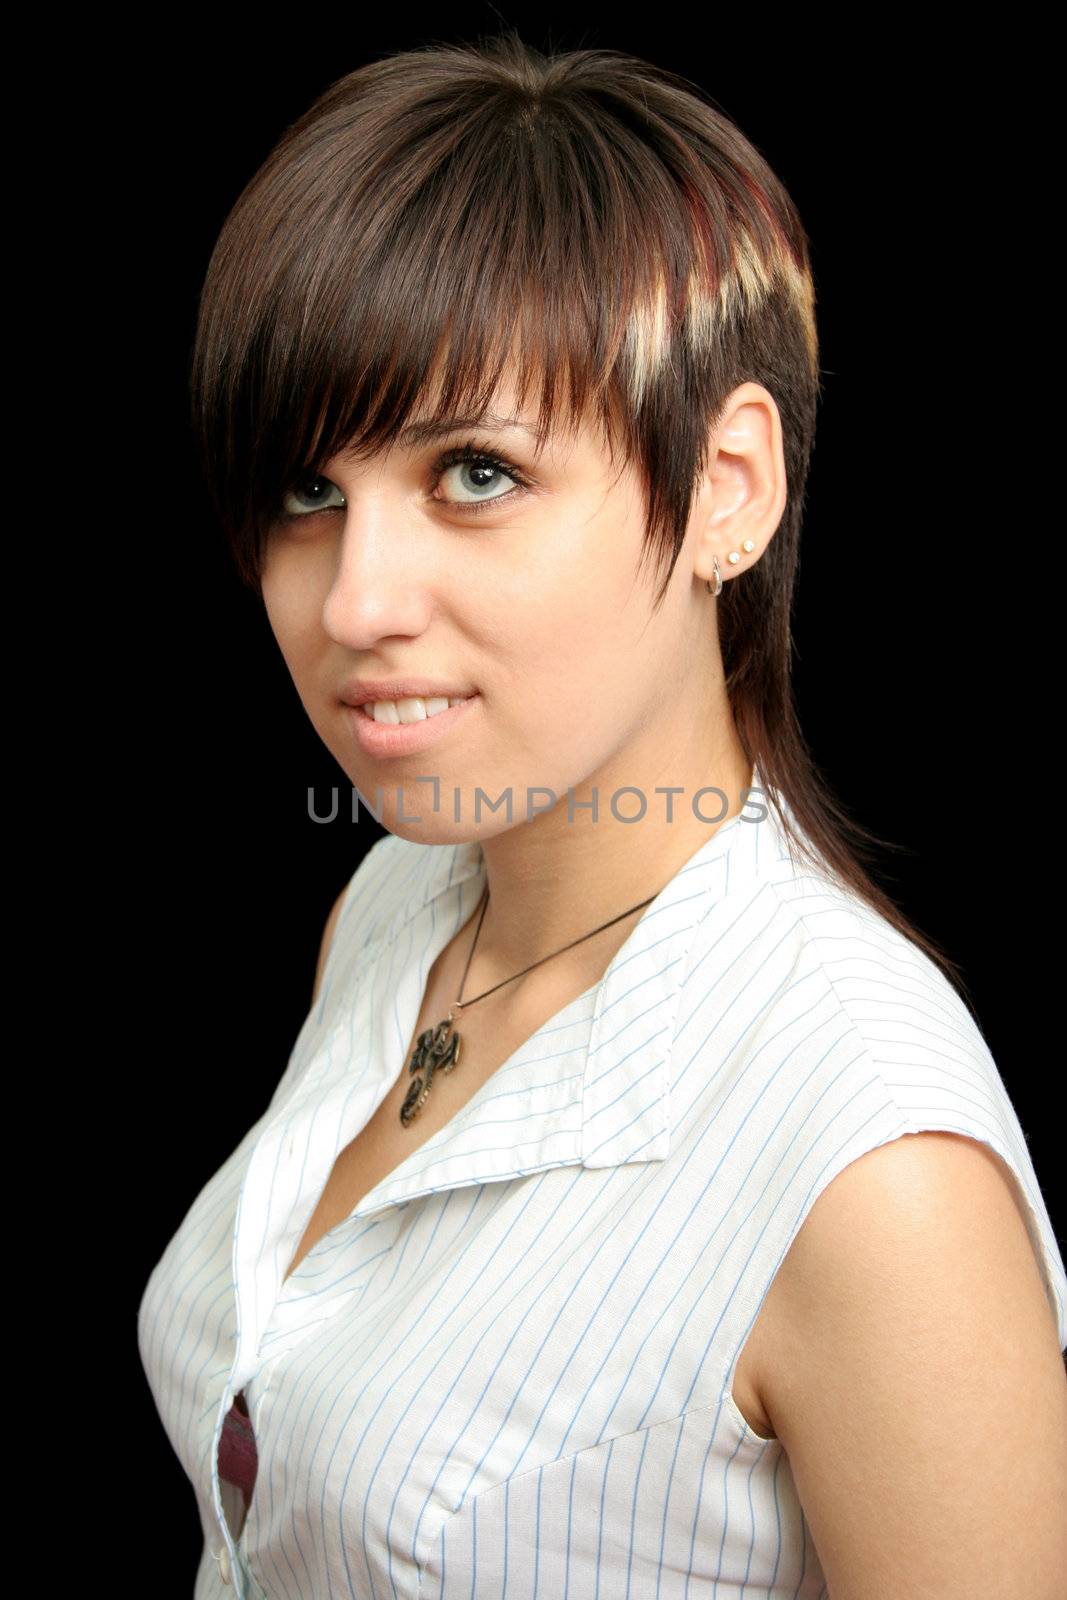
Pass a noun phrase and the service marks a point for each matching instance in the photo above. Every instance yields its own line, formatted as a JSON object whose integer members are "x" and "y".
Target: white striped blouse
{"x": 508, "y": 1373}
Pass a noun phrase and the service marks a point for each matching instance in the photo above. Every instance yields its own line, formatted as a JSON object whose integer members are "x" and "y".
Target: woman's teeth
{"x": 413, "y": 710}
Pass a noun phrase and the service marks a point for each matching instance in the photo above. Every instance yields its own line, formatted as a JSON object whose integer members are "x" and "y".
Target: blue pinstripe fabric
{"x": 509, "y": 1371}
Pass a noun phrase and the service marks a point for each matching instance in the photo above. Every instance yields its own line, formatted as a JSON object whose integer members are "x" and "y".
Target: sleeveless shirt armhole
{"x": 1042, "y": 1240}
{"x": 923, "y": 1085}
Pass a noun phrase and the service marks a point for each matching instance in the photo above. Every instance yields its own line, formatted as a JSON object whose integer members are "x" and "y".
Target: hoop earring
{"x": 718, "y": 579}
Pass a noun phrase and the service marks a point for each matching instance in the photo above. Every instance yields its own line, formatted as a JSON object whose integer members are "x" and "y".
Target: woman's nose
{"x": 379, "y": 587}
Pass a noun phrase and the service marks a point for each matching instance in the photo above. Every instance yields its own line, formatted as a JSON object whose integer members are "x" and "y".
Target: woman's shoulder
{"x": 393, "y": 882}
{"x": 888, "y": 1000}
{"x": 371, "y": 906}
{"x": 806, "y": 931}
{"x": 870, "y": 963}
{"x": 836, "y": 1034}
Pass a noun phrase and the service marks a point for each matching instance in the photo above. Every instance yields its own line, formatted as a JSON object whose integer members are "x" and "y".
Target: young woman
{"x": 641, "y": 1211}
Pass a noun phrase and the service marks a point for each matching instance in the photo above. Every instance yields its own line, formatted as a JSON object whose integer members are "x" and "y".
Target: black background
{"x": 913, "y": 671}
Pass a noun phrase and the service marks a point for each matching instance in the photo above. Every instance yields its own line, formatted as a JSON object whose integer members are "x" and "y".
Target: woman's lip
{"x": 383, "y": 739}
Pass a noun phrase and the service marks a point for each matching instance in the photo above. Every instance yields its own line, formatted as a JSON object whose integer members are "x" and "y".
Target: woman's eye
{"x": 477, "y": 480}
{"x": 476, "y": 476}
{"x": 315, "y": 493}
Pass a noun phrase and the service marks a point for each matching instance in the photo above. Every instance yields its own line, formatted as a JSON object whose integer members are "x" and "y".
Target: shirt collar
{"x": 617, "y": 1107}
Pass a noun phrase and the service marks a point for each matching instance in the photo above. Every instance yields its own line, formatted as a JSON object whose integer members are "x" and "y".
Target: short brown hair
{"x": 441, "y": 210}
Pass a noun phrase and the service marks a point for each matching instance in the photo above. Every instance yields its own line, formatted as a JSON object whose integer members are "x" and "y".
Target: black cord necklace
{"x": 437, "y": 1049}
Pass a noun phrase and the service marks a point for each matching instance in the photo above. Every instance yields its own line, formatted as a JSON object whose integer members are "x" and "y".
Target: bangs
{"x": 403, "y": 350}
{"x": 432, "y": 221}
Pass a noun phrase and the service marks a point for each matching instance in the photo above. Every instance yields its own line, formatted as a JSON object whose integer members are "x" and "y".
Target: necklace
{"x": 437, "y": 1048}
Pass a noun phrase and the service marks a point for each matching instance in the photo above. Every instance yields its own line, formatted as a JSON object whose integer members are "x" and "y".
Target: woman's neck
{"x": 555, "y": 880}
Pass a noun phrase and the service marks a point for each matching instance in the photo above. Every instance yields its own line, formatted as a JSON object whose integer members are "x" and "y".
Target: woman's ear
{"x": 744, "y": 488}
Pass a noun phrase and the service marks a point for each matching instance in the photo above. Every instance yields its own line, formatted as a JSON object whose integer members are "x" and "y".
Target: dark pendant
{"x": 433, "y": 1050}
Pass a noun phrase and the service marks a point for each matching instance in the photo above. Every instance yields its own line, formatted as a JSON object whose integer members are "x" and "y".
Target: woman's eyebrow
{"x": 421, "y": 432}
{"x": 417, "y": 433}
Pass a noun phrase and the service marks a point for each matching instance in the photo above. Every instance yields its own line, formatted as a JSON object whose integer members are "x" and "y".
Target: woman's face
{"x": 516, "y": 586}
